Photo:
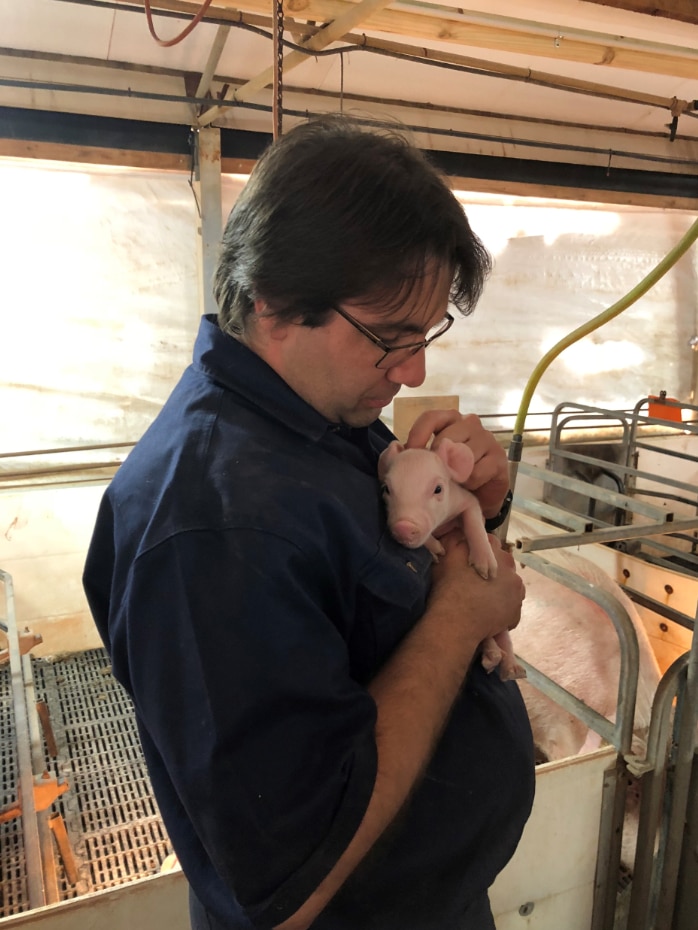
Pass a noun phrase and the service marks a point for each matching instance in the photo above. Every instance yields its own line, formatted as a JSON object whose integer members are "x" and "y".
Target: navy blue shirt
{"x": 247, "y": 591}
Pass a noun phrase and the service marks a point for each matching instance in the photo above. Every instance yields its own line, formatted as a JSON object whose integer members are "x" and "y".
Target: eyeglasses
{"x": 396, "y": 355}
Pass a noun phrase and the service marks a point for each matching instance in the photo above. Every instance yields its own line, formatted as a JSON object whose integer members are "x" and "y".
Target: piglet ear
{"x": 387, "y": 457}
{"x": 458, "y": 459}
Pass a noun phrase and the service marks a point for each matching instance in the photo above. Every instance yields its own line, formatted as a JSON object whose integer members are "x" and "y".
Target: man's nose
{"x": 411, "y": 372}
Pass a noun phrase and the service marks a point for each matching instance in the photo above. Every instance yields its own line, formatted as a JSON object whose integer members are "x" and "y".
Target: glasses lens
{"x": 400, "y": 354}
{"x": 439, "y": 329}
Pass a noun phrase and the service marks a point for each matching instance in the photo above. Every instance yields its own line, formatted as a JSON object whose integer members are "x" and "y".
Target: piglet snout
{"x": 407, "y": 533}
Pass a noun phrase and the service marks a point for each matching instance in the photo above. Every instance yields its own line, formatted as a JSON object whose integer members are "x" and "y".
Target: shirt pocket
{"x": 391, "y": 597}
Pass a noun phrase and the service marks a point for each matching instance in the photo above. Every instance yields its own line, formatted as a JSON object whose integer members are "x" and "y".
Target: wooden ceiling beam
{"x": 604, "y": 51}
{"x": 685, "y": 11}
{"x": 352, "y": 16}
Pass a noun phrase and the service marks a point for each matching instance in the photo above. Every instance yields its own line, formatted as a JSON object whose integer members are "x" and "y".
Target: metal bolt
{"x": 526, "y": 909}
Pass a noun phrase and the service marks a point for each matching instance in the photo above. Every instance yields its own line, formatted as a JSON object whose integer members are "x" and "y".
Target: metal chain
{"x": 277, "y": 103}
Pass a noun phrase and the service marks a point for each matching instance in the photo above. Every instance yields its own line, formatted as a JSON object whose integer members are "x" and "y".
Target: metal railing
{"x": 665, "y": 770}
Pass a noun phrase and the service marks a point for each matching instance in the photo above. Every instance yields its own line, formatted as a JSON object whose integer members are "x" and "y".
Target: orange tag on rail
{"x": 662, "y": 411}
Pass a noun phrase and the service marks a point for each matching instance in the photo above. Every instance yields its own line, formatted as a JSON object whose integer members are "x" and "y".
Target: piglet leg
{"x": 509, "y": 668}
{"x": 435, "y": 547}
{"x": 491, "y": 654}
{"x": 498, "y": 652}
{"x": 482, "y": 557}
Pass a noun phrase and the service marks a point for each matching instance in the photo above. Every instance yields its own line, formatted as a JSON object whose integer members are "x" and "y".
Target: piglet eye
{"x": 438, "y": 489}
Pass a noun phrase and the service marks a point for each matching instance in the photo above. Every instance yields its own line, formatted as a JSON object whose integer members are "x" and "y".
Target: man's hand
{"x": 485, "y": 608}
{"x": 489, "y": 480}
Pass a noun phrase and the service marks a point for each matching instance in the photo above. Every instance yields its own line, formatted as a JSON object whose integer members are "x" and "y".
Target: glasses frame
{"x": 413, "y": 347}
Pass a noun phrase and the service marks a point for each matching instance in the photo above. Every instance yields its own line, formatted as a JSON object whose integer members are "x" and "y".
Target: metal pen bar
{"x": 657, "y": 607}
{"x": 686, "y": 722}
{"x": 554, "y": 514}
{"x": 649, "y": 866}
{"x": 609, "y": 846}
{"x": 621, "y": 501}
{"x": 30, "y": 827}
{"x": 48, "y": 858}
{"x": 663, "y": 450}
{"x": 672, "y": 552}
{"x": 606, "y": 534}
{"x": 620, "y": 733}
{"x": 627, "y": 470}
{"x": 569, "y": 702}
{"x": 68, "y": 482}
{"x": 67, "y": 449}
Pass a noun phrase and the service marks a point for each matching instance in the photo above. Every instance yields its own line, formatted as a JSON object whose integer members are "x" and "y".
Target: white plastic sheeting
{"x": 100, "y": 303}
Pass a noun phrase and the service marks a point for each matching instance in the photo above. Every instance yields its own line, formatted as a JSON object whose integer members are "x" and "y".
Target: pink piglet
{"x": 424, "y": 496}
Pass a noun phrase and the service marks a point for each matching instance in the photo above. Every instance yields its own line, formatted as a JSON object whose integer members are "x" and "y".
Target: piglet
{"x": 424, "y": 495}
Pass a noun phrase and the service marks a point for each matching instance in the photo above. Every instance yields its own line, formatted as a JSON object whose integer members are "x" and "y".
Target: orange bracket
{"x": 27, "y": 641}
{"x": 47, "y": 789}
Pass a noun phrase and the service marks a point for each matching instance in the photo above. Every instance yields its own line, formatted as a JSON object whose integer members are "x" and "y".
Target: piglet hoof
{"x": 486, "y": 568}
{"x": 482, "y": 569}
{"x": 511, "y": 670}
{"x": 492, "y": 655}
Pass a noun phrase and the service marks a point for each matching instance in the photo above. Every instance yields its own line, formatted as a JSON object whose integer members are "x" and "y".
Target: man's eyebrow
{"x": 405, "y": 327}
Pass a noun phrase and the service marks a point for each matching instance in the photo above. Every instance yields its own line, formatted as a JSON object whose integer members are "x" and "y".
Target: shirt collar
{"x": 233, "y": 365}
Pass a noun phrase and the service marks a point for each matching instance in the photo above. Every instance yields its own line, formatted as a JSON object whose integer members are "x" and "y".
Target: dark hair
{"x": 335, "y": 211}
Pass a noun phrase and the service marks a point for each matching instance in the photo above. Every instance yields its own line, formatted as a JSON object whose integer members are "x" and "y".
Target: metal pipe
{"x": 608, "y": 534}
{"x": 620, "y": 733}
{"x": 379, "y": 123}
{"x": 685, "y": 728}
{"x": 648, "y": 866}
{"x": 621, "y": 501}
{"x": 30, "y": 828}
{"x": 48, "y": 859}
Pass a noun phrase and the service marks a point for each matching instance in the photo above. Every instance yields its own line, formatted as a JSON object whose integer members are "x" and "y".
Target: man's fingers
{"x": 428, "y": 424}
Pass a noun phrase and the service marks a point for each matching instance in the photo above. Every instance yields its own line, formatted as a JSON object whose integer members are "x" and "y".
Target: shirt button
{"x": 412, "y": 567}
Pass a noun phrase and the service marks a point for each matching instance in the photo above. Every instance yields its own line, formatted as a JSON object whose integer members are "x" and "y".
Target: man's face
{"x": 333, "y": 367}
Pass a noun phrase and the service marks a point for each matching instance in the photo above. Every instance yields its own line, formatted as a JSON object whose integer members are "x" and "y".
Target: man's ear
{"x": 267, "y": 321}
{"x": 457, "y": 457}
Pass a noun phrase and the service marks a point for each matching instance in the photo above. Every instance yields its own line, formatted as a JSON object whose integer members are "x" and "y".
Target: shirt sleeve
{"x": 240, "y": 677}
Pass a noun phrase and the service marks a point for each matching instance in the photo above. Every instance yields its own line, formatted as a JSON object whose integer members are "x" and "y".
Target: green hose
{"x": 649, "y": 281}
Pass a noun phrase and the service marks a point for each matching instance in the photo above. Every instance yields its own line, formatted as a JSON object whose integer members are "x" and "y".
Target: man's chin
{"x": 360, "y": 418}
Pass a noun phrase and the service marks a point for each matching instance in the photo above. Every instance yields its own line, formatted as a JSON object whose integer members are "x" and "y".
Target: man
{"x": 325, "y": 748}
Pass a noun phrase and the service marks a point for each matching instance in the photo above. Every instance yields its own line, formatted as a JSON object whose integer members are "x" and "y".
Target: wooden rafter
{"x": 604, "y": 51}
{"x": 212, "y": 63}
{"x": 351, "y": 17}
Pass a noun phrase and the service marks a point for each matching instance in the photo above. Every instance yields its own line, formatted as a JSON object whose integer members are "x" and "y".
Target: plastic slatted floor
{"x": 114, "y": 827}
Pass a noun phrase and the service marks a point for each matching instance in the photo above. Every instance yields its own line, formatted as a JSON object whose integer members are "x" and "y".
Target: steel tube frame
{"x": 667, "y": 768}
{"x": 23, "y": 729}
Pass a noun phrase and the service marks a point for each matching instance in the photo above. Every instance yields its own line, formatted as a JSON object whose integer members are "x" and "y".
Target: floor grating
{"x": 113, "y": 824}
